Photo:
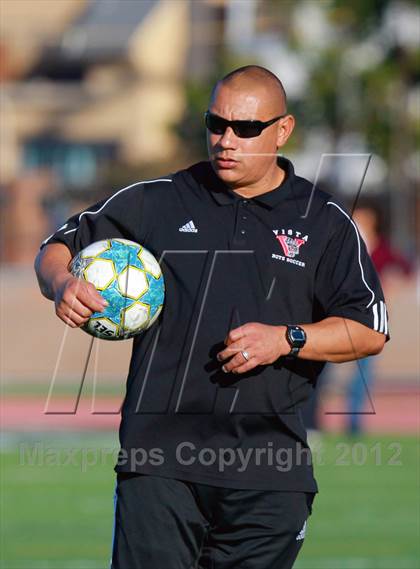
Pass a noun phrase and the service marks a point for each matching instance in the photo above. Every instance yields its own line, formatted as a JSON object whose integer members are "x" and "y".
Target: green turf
{"x": 365, "y": 517}
{"x": 63, "y": 389}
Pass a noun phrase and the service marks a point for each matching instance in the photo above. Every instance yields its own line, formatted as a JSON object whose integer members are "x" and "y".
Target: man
{"x": 265, "y": 281}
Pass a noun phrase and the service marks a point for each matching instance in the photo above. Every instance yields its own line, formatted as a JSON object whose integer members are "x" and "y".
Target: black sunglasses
{"x": 243, "y": 129}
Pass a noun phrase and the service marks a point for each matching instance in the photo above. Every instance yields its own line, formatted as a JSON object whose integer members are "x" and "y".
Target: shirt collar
{"x": 225, "y": 196}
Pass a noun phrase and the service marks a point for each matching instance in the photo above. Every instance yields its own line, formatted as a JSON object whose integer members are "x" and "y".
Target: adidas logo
{"x": 301, "y": 534}
{"x": 188, "y": 228}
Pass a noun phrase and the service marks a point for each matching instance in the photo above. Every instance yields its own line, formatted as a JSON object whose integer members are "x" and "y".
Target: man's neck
{"x": 268, "y": 184}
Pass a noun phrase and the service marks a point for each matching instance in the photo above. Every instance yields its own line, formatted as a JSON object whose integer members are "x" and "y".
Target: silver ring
{"x": 245, "y": 355}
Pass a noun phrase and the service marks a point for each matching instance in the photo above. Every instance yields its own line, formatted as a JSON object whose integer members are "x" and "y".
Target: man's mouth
{"x": 224, "y": 162}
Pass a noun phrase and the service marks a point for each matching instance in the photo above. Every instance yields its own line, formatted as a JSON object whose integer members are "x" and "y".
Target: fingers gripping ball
{"x": 129, "y": 278}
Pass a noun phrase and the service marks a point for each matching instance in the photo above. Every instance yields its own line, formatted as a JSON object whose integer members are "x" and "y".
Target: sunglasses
{"x": 243, "y": 129}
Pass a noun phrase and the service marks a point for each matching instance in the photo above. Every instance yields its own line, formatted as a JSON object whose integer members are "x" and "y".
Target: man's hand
{"x": 262, "y": 343}
{"x": 76, "y": 300}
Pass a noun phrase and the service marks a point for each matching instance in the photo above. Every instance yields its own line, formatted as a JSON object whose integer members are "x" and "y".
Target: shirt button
{"x": 243, "y": 232}
{"x": 244, "y": 202}
{"x": 244, "y": 217}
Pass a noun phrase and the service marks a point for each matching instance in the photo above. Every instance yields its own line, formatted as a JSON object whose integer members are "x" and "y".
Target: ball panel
{"x": 150, "y": 263}
{"x": 78, "y": 265}
{"x": 132, "y": 282}
{"x": 122, "y": 255}
{"x": 136, "y": 317}
{"x": 126, "y": 242}
{"x": 155, "y": 316}
{"x": 95, "y": 249}
{"x": 155, "y": 294}
{"x": 100, "y": 272}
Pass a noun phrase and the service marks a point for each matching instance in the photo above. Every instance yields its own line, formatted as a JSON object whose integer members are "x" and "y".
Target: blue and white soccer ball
{"x": 129, "y": 278}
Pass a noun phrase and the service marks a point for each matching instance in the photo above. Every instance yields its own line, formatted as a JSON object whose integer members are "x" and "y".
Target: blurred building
{"x": 94, "y": 92}
{"x": 83, "y": 83}
{"x": 101, "y": 79}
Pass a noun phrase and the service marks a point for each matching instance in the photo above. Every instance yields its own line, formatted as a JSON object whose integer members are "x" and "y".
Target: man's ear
{"x": 285, "y": 129}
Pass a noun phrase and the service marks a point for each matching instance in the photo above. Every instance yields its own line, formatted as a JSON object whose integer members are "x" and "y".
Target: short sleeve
{"x": 346, "y": 283}
{"x": 121, "y": 215}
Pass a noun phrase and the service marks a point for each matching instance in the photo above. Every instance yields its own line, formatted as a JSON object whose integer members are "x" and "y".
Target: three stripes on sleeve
{"x": 380, "y": 317}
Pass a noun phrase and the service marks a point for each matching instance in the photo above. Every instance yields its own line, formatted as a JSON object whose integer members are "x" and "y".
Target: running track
{"x": 393, "y": 413}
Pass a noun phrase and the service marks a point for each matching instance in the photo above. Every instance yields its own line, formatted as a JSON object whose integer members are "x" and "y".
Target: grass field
{"x": 57, "y": 507}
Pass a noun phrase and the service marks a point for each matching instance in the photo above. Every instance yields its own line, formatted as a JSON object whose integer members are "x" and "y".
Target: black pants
{"x": 163, "y": 523}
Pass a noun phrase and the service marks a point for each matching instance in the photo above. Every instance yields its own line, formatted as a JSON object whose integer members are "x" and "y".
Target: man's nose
{"x": 229, "y": 139}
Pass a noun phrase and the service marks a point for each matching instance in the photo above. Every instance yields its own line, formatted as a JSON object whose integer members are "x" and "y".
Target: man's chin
{"x": 228, "y": 175}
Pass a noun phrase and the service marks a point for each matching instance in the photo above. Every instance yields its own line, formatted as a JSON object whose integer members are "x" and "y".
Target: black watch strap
{"x": 293, "y": 353}
{"x": 296, "y": 337}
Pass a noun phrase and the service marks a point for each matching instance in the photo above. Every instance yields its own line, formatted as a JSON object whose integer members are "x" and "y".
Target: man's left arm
{"x": 333, "y": 339}
{"x": 340, "y": 340}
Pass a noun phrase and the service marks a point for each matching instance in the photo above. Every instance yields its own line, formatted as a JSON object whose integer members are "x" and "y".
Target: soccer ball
{"x": 129, "y": 278}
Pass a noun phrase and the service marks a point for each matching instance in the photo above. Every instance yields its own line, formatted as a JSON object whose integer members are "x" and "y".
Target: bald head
{"x": 259, "y": 81}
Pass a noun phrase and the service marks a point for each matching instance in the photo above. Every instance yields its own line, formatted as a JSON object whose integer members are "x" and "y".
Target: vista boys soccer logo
{"x": 291, "y": 242}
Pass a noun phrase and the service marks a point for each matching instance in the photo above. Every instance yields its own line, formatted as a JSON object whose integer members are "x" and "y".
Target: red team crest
{"x": 291, "y": 242}
{"x": 290, "y": 245}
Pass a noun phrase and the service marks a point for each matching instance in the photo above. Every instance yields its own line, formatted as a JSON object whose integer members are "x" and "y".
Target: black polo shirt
{"x": 291, "y": 255}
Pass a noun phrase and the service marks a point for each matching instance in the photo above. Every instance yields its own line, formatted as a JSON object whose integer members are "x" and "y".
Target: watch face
{"x": 298, "y": 335}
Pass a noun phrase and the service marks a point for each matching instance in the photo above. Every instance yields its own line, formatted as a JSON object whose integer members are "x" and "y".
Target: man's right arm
{"x": 75, "y": 300}
{"x": 120, "y": 215}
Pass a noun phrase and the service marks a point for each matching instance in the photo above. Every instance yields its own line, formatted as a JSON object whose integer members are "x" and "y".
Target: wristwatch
{"x": 296, "y": 336}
